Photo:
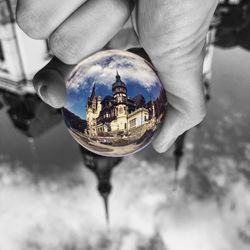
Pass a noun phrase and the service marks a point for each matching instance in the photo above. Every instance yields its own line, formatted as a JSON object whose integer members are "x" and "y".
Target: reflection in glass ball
{"x": 115, "y": 103}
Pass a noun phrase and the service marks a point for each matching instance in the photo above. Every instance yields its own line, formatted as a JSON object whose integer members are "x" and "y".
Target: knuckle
{"x": 64, "y": 47}
{"x": 32, "y": 23}
{"x": 122, "y": 7}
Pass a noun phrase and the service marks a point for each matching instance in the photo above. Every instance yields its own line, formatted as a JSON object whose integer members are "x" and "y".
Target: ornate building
{"x": 20, "y": 56}
{"x": 118, "y": 114}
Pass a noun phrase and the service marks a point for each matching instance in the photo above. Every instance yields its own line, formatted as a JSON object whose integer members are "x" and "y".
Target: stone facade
{"x": 118, "y": 114}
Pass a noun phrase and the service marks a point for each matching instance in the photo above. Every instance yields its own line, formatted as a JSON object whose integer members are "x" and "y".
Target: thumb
{"x": 49, "y": 82}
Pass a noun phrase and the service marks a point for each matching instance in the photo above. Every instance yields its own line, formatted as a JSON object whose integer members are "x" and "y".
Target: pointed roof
{"x": 118, "y": 81}
{"x": 106, "y": 205}
{"x": 104, "y": 189}
{"x": 118, "y": 77}
{"x": 92, "y": 93}
{"x": 178, "y": 153}
{"x": 139, "y": 100}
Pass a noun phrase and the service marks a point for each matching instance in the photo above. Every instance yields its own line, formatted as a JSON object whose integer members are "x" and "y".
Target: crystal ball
{"x": 115, "y": 103}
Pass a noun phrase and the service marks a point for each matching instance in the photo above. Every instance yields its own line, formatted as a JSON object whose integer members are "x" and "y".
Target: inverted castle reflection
{"x": 102, "y": 167}
{"x": 33, "y": 118}
{"x": 113, "y": 113}
{"x": 205, "y": 175}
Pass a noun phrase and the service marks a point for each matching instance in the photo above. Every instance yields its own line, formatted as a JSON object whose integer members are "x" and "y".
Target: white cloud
{"x": 54, "y": 215}
{"x": 136, "y": 70}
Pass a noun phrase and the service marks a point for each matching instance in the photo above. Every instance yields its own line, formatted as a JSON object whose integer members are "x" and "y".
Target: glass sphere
{"x": 115, "y": 103}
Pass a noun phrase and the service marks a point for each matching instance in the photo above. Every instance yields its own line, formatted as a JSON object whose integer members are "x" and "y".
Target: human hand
{"x": 172, "y": 32}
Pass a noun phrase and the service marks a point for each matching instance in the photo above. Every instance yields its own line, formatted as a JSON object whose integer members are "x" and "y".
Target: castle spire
{"x": 104, "y": 188}
{"x": 105, "y": 199}
{"x": 102, "y": 167}
{"x": 178, "y": 154}
{"x": 118, "y": 78}
{"x": 93, "y": 92}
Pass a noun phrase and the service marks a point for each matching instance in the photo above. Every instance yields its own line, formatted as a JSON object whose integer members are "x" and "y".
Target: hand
{"x": 172, "y": 32}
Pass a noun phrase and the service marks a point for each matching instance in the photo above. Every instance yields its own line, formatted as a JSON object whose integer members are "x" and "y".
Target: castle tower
{"x": 119, "y": 90}
{"x": 152, "y": 107}
{"x": 178, "y": 154}
{"x": 99, "y": 105}
{"x": 92, "y": 93}
{"x": 102, "y": 167}
{"x": 93, "y": 110}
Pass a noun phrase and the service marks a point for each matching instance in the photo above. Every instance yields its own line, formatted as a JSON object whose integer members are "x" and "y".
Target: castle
{"x": 118, "y": 114}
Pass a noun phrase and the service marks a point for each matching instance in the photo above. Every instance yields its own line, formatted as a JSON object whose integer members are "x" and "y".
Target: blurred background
{"x": 56, "y": 195}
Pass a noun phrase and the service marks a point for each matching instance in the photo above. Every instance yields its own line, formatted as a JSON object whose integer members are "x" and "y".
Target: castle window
{"x": 1, "y": 53}
{"x": 132, "y": 123}
{"x": 89, "y": 161}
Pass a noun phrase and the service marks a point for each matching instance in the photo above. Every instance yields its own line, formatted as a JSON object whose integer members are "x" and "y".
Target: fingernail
{"x": 43, "y": 93}
{"x": 50, "y": 87}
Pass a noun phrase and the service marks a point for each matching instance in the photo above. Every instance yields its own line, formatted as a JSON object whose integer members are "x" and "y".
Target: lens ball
{"x": 115, "y": 103}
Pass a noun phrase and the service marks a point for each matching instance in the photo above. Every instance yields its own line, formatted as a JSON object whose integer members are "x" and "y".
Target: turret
{"x": 153, "y": 107}
{"x": 119, "y": 90}
{"x": 99, "y": 105}
{"x": 93, "y": 109}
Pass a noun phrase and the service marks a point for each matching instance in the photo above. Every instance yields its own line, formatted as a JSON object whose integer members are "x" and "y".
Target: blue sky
{"x": 100, "y": 70}
{"x": 77, "y": 99}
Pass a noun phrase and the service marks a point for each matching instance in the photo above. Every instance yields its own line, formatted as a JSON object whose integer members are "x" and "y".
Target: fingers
{"x": 88, "y": 29}
{"x": 39, "y": 18}
{"x": 180, "y": 28}
{"x": 75, "y": 28}
{"x": 50, "y": 81}
{"x": 125, "y": 39}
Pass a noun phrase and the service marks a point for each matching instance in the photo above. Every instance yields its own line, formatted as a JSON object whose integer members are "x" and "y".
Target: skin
{"x": 172, "y": 32}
